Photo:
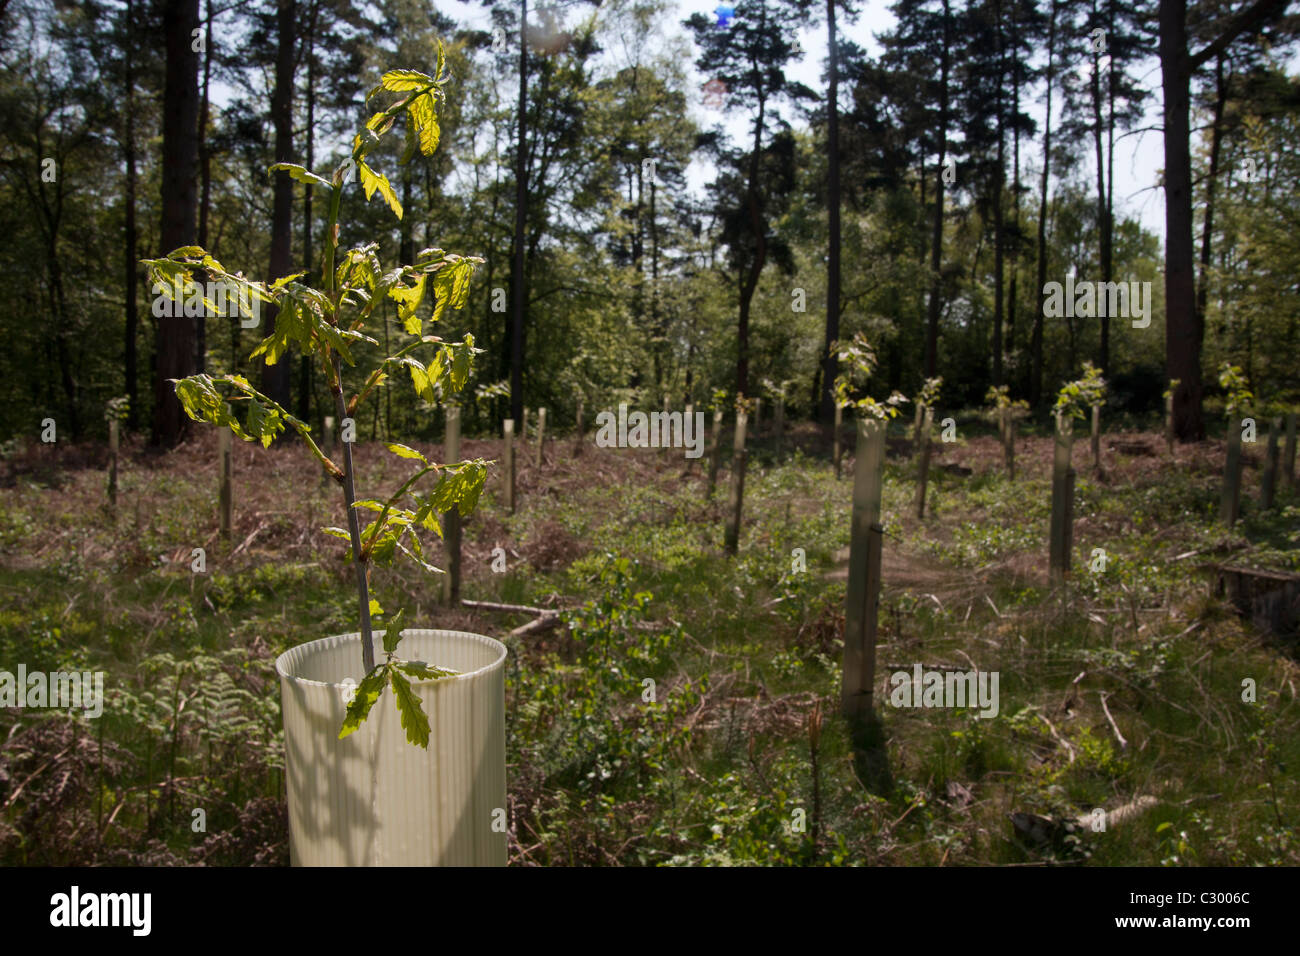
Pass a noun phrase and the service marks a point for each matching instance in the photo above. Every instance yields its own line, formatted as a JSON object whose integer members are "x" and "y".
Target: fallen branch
{"x": 544, "y": 623}
{"x": 509, "y": 608}
{"x": 1121, "y": 814}
{"x": 1066, "y": 743}
{"x": 1123, "y": 744}
{"x": 249, "y": 540}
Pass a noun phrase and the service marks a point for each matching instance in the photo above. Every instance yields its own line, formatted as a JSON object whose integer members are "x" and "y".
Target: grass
{"x": 740, "y": 757}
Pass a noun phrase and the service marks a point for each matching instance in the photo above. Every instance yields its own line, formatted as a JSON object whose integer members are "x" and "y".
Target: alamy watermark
{"x": 1085, "y": 299}
{"x": 941, "y": 688}
{"x": 60, "y": 690}
{"x": 653, "y": 430}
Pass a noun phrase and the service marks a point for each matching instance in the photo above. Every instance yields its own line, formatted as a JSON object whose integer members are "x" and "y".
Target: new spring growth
{"x": 1077, "y": 397}
{"x": 1237, "y": 394}
{"x": 857, "y": 361}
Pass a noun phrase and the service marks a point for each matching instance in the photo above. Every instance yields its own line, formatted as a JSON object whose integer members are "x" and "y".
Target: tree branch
{"x": 1252, "y": 16}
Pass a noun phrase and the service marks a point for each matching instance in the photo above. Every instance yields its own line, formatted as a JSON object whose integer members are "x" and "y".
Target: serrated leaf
{"x": 459, "y": 487}
{"x": 461, "y": 361}
{"x": 421, "y": 381}
{"x": 401, "y": 81}
{"x": 414, "y": 720}
{"x": 408, "y": 299}
{"x": 405, "y": 451}
{"x": 416, "y": 552}
{"x": 338, "y": 533}
{"x": 412, "y": 144}
{"x": 368, "y": 691}
{"x": 451, "y": 285}
{"x": 285, "y": 280}
{"x": 422, "y": 671}
{"x": 393, "y": 632}
{"x": 302, "y": 174}
{"x": 371, "y": 181}
{"x": 422, "y": 113}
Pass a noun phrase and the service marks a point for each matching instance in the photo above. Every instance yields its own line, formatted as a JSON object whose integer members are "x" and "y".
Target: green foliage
{"x": 999, "y": 398}
{"x": 1238, "y": 396}
{"x": 858, "y": 362}
{"x": 1077, "y": 398}
{"x": 928, "y": 397}
{"x": 325, "y": 323}
{"x": 117, "y": 409}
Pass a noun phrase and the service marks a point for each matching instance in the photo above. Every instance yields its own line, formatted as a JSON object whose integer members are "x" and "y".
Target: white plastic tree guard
{"x": 373, "y": 799}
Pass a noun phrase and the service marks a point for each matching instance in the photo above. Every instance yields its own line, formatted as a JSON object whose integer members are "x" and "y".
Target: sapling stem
{"x": 354, "y": 527}
{"x": 349, "y": 474}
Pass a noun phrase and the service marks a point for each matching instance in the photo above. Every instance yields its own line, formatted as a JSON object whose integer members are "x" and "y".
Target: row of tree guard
{"x": 862, "y": 598}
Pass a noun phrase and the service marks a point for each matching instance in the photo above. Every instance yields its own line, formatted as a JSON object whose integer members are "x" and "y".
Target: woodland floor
{"x": 1123, "y": 691}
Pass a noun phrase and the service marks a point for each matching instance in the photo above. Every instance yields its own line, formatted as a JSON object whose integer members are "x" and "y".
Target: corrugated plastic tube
{"x": 373, "y": 799}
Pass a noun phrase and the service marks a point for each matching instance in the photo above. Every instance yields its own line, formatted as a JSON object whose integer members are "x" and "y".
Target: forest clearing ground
{"x": 744, "y": 652}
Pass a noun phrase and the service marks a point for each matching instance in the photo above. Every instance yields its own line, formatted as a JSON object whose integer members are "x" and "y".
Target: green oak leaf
{"x": 414, "y": 720}
{"x": 368, "y": 691}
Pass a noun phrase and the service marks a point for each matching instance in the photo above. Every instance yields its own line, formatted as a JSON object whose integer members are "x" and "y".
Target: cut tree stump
{"x": 1271, "y": 599}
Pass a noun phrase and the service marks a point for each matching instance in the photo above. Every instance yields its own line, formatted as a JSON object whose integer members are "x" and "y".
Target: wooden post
{"x": 916, "y": 426}
{"x": 1096, "y": 438}
{"x": 835, "y": 448}
{"x": 737, "y": 485}
{"x": 112, "y": 463}
{"x": 664, "y": 430}
{"x": 508, "y": 464}
{"x": 225, "y": 494}
{"x": 923, "y": 471}
{"x": 523, "y": 428}
{"x": 758, "y": 413}
{"x": 1230, "y": 502}
{"x": 862, "y": 597}
{"x": 715, "y": 452}
{"x": 1009, "y": 448}
{"x": 779, "y": 424}
{"x": 541, "y": 434}
{"x": 1169, "y": 423}
{"x": 687, "y": 417}
{"x": 582, "y": 429}
{"x": 1288, "y": 459}
{"x": 1269, "y": 482}
{"x": 1062, "y": 527}
{"x": 451, "y": 520}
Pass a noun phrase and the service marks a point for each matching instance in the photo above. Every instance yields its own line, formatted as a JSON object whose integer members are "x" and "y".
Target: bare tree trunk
{"x": 305, "y": 376}
{"x": 936, "y": 239}
{"x": 1036, "y": 336}
{"x": 517, "y": 291}
{"x": 1211, "y": 180}
{"x": 275, "y": 378}
{"x": 826, "y": 408}
{"x": 205, "y": 182}
{"x": 131, "y": 257}
{"x": 175, "y": 340}
{"x": 999, "y": 179}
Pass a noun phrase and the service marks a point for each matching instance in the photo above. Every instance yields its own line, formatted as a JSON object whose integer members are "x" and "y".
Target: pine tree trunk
{"x": 175, "y": 340}
{"x": 275, "y": 378}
